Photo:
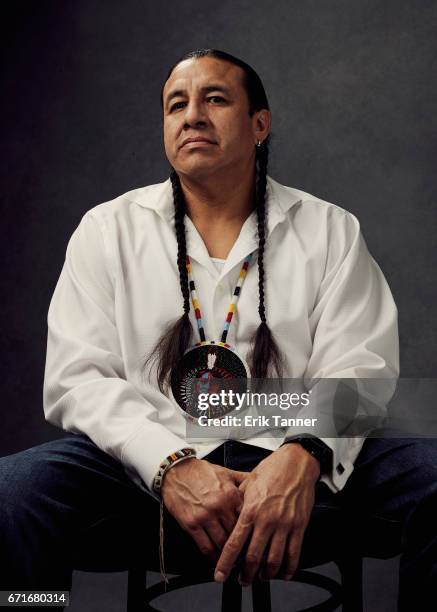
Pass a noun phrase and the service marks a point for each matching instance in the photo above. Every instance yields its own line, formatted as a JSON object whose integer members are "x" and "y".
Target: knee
{"x": 421, "y": 456}
{"x": 420, "y": 464}
{"x": 21, "y": 477}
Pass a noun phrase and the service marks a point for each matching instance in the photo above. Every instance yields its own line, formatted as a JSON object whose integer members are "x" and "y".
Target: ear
{"x": 261, "y": 121}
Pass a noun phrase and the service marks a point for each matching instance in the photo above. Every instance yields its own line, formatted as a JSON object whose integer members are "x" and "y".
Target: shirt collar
{"x": 280, "y": 199}
{"x": 159, "y": 197}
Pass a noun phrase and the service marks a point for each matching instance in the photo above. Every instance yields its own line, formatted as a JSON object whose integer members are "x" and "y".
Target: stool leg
{"x": 136, "y": 588}
{"x": 351, "y": 570}
{"x": 231, "y": 595}
{"x": 261, "y": 596}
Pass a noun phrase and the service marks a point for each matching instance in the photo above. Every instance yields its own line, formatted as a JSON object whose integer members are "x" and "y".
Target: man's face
{"x": 210, "y": 103}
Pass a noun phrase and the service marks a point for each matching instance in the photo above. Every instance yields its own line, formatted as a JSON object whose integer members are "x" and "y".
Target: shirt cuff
{"x": 143, "y": 453}
{"x": 345, "y": 451}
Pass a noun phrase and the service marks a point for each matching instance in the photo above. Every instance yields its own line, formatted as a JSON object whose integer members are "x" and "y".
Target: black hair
{"x": 265, "y": 355}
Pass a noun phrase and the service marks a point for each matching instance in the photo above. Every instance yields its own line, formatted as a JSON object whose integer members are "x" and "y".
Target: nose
{"x": 194, "y": 113}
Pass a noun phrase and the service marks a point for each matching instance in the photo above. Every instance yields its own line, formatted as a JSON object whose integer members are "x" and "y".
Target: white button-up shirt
{"x": 327, "y": 304}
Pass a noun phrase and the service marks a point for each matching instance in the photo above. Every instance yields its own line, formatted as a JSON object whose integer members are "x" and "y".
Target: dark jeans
{"x": 53, "y": 493}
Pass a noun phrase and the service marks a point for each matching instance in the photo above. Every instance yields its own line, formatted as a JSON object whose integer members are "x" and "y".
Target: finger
{"x": 258, "y": 543}
{"x": 236, "y": 498}
{"x": 242, "y": 487}
{"x": 204, "y": 543}
{"x": 239, "y": 503}
{"x": 275, "y": 556}
{"x": 237, "y": 476}
{"x": 216, "y": 533}
{"x": 232, "y": 548}
{"x": 229, "y": 521}
{"x": 292, "y": 554}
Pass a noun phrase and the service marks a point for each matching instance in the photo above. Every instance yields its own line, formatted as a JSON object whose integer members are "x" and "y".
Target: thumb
{"x": 237, "y": 476}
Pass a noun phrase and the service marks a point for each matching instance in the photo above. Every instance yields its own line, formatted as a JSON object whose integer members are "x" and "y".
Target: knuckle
{"x": 274, "y": 563}
{"x": 269, "y": 522}
{"x": 234, "y": 495}
{"x": 215, "y": 502}
{"x": 191, "y": 524}
{"x": 298, "y": 523}
{"x": 196, "y": 520}
{"x": 284, "y": 524}
{"x": 201, "y": 517}
{"x": 231, "y": 489}
{"x": 249, "y": 515}
{"x": 215, "y": 509}
{"x": 293, "y": 553}
{"x": 205, "y": 549}
{"x": 232, "y": 546}
{"x": 252, "y": 559}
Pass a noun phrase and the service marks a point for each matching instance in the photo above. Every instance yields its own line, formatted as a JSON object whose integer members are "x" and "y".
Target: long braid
{"x": 265, "y": 355}
{"x": 179, "y": 204}
{"x": 261, "y": 185}
{"x": 176, "y": 339}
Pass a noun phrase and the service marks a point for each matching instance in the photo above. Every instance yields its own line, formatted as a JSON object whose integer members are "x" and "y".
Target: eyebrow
{"x": 206, "y": 89}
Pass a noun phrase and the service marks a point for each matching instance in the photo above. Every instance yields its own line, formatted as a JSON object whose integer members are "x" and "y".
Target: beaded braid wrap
{"x": 164, "y": 466}
{"x": 232, "y": 307}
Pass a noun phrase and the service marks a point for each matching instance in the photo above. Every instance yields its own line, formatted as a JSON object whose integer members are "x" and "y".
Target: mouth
{"x": 193, "y": 142}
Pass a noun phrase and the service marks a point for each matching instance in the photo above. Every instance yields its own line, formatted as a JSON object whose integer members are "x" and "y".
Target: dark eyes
{"x": 175, "y": 105}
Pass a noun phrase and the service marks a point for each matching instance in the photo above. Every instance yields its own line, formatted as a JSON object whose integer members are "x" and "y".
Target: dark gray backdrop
{"x": 352, "y": 89}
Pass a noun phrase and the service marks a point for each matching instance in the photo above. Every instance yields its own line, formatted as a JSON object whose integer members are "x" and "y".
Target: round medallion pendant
{"x": 206, "y": 369}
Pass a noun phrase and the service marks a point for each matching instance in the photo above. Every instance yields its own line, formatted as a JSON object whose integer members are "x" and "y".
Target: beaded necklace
{"x": 209, "y": 360}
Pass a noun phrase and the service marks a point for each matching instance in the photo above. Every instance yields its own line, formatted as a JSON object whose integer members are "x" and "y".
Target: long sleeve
{"x": 85, "y": 386}
{"x": 355, "y": 336}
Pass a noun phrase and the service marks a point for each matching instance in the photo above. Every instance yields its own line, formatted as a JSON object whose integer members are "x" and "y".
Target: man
{"x": 323, "y": 310}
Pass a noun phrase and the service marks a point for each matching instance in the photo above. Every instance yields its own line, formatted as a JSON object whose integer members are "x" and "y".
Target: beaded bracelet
{"x": 168, "y": 462}
{"x": 164, "y": 466}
